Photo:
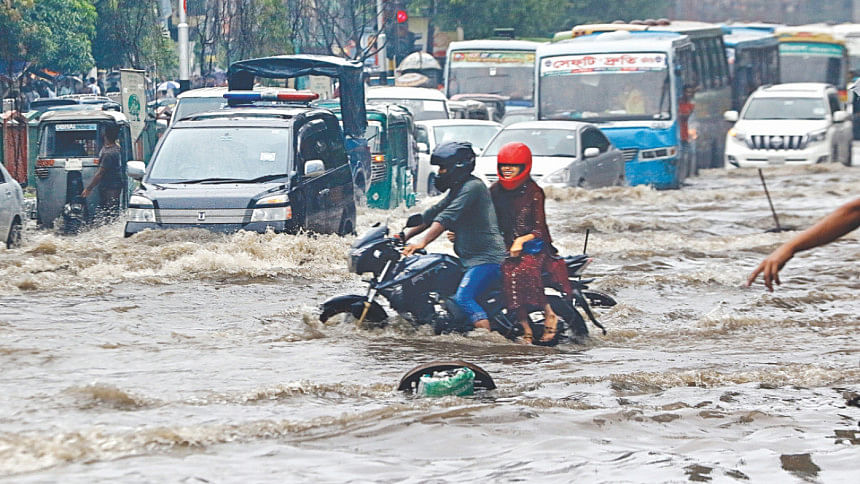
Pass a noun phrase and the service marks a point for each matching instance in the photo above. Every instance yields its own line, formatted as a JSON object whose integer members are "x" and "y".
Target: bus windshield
{"x": 506, "y": 73}
{"x": 811, "y": 62}
{"x": 605, "y": 87}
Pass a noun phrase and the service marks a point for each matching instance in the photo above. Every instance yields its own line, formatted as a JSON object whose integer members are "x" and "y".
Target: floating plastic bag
{"x": 459, "y": 382}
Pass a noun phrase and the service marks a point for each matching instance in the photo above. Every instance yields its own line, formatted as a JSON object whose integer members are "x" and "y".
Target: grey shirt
{"x": 469, "y": 212}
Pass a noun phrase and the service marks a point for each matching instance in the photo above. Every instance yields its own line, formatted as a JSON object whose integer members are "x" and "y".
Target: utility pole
{"x": 182, "y": 36}
{"x": 381, "y": 39}
{"x": 431, "y": 27}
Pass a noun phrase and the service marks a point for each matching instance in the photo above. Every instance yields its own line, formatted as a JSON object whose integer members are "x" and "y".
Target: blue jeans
{"x": 475, "y": 281}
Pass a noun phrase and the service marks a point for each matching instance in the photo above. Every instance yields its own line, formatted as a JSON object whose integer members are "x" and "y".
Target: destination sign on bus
{"x": 592, "y": 63}
{"x": 494, "y": 57}
{"x": 811, "y": 49}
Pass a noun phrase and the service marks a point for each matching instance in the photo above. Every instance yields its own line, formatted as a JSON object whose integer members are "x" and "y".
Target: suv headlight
{"x": 140, "y": 209}
{"x": 658, "y": 153}
{"x": 818, "y": 136}
{"x": 272, "y": 208}
{"x": 737, "y": 134}
{"x": 558, "y": 176}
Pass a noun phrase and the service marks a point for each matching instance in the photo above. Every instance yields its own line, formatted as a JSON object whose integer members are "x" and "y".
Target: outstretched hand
{"x": 412, "y": 248}
{"x": 770, "y": 267}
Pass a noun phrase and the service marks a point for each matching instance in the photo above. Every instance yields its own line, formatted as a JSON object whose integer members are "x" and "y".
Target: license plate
{"x": 74, "y": 164}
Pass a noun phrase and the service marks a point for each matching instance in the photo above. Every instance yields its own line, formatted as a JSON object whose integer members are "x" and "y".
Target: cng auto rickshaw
{"x": 391, "y": 138}
{"x": 69, "y": 146}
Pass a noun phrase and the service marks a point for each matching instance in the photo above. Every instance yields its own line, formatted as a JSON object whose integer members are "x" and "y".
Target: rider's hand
{"x": 516, "y": 249}
{"x": 412, "y": 248}
{"x": 86, "y": 193}
{"x": 769, "y": 268}
{"x": 452, "y": 236}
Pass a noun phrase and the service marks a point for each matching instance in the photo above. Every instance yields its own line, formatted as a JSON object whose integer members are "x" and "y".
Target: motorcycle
{"x": 420, "y": 287}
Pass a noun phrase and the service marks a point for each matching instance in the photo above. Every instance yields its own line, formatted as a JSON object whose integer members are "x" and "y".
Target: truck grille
{"x": 378, "y": 172}
{"x": 629, "y": 154}
{"x": 203, "y": 216}
{"x": 768, "y": 142}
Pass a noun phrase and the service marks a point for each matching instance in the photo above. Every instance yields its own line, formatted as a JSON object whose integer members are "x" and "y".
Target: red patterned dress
{"x": 521, "y": 212}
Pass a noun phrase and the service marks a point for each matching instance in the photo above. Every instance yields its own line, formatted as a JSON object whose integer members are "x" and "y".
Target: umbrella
{"x": 167, "y": 85}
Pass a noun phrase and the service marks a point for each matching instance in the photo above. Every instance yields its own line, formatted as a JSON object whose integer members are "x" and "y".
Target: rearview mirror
{"x": 314, "y": 168}
{"x": 135, "y": 169}
{"x": 423, "y": 148}
{"x": 591, "y": 152}
{"x": 839, "y": 116}
{"x": 730, "y": 116}
{"x": 414, "y": 220}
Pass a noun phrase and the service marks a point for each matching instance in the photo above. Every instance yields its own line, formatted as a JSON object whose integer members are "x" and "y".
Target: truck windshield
{"x": 786, "y": 108}
{"x": 811, "y": 62}
{"x": 71, "y": 140}
{"x": 605, "y": 87}
{"x": 506, "y": 73}
{"x": 242, "y": 153}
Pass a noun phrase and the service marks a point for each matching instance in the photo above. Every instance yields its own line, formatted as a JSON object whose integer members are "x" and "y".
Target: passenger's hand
{"x": 516, "y": 249}
{"x": 86, "y": 193}
{"x": 769, "y": 268}
{"x": 452, "y": 236}
{"x": 412, "y": 248}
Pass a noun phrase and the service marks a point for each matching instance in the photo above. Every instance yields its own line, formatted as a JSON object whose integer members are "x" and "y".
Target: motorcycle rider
{"x": 467, "y": 210}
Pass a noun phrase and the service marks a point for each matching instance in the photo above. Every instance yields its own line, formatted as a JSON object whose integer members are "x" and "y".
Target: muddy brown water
{"x": 194, "y": 357}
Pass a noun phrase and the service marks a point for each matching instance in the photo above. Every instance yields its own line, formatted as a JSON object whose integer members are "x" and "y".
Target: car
{"x": 800, "y": 123}
{"x": 518, "y": 116}
{"x": 198, "y": 101}
{"x": 564, "y": 153}
{"x": 247, "y": 168}
{"x": 422, "y": 102}
{"x": 438, "y": 131}
{"x": 11, "y": 209}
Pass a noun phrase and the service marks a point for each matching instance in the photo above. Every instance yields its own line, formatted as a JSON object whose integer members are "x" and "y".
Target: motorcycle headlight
{"x": 271, "y": 209}
{"x": 818, "y": 136}
{"x": 140, "y": 209}
{"x": 558, "y": 176}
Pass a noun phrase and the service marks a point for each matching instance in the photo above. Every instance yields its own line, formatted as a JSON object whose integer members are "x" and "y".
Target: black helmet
{"x": 458, "y": 159}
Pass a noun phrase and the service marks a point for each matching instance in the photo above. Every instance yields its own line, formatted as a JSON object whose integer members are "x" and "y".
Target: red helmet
{"x": 514, "y": 154}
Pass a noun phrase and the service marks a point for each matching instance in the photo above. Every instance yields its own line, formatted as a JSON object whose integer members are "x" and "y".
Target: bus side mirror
{"x": 135, "y": 169}
{"x": 730, "y": 116}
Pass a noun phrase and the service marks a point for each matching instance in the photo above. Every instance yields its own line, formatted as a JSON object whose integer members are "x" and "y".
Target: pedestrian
{"x": 109, "y": 177}
{"x": 519, "y": 203}
{"x": 843, "y": 220}
{"x": 93, "y": 87}
{"x": 468, "y": 211}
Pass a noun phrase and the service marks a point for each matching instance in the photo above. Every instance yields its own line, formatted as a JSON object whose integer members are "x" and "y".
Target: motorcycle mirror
{"x": 414, "y": 220}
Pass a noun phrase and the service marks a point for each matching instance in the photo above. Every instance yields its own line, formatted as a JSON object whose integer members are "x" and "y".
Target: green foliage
{"x": 128, "y": 34}
{"x": 71, "y": 26}
{"x": 606, "y": 11}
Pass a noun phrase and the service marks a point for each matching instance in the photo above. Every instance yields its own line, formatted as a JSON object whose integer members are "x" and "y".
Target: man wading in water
{"x": 109, "y": 177}
{"x": 468, "y": 211}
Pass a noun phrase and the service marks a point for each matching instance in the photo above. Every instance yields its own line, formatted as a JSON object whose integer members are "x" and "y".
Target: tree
{"x": 68, "y": 47}
{"x": 129, "y": 34}
{"x": 337, "y": 27}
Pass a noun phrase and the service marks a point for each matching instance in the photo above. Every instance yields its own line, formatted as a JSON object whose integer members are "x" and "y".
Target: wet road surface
{"x": 195, "y": 357}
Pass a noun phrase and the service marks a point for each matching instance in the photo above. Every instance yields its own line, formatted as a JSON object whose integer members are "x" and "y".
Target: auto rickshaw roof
{"x": 65, "y": 116}
{"x": 348, "y": 72}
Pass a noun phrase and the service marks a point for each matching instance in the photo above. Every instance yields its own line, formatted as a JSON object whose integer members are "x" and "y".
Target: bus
{"x": 500, "y": 67}
{"x": 630, "y": 85}
{"x": 753, "y": 56}
{"x": 709, "y": 75}
{"x": 812, "y": 54}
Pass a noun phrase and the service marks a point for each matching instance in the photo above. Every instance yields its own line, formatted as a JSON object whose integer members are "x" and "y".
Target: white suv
{"x": 799, "y": 123}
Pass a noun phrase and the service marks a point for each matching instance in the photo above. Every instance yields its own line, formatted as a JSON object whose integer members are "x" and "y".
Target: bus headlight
{"x": 658, "y": 153}
{"x": 140, "y": 209}
{"x": 271, "y": 209}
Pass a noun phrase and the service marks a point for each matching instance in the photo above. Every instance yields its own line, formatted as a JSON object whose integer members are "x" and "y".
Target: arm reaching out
{"x": 843, "y": 220}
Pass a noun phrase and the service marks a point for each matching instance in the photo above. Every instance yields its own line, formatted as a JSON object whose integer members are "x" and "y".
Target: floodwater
{"x": 195, "y": 357}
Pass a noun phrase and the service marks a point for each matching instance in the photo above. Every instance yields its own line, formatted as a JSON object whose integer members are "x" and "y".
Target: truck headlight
{"x": 818, "y": 136}
{"x": 271, "y": 209}
{"x": 558, "y": 176}
{"x": 140, "y": 209}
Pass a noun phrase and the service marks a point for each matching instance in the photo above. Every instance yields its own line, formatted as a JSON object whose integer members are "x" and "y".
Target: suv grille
{"x": 629, "y": 154}
{"x": 377, "y": 172}
{"x": 767, "y": 142}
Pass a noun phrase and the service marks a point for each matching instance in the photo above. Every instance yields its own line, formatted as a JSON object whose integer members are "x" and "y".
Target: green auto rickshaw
{"x": 391, "y": 137}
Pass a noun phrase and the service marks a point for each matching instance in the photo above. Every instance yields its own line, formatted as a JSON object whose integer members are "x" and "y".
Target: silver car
{"x": 566, "y": 153}
{"x": 11, "y": 209}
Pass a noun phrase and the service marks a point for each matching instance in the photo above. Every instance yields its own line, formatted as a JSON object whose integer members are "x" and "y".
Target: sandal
{"x": 549, "y": 332}
{"x": 526, "y": 339}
